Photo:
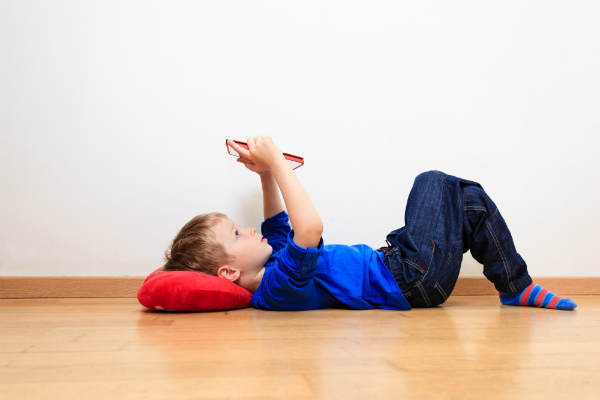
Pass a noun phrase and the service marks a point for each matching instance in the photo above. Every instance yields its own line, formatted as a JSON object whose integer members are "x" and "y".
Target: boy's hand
{"x": 262, "y": 153}
{"x": 304, "y": 218}
{"x": 251, "y": 166}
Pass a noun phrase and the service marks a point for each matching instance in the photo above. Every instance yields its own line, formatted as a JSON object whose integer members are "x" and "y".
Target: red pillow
{"x": 191, "y": 291}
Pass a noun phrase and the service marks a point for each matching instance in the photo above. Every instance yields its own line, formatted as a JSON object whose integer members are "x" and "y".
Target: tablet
{"x": 294, "y": 161}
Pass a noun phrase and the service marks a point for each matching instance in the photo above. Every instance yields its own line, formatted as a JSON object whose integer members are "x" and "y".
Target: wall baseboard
{"x": 25, "y": 287}
{"x": 562, "y": 286}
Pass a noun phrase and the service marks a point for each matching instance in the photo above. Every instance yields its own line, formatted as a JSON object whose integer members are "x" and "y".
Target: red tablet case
{"x": 295, "y": 161}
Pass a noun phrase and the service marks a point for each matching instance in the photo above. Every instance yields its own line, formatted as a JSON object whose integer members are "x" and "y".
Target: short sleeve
{"x": 276, "y": 230}
{"x": 305, "y": 261}
{"x": 289, "y": 284}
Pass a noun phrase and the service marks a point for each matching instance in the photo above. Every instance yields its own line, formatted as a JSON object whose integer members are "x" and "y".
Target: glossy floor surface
{"x": 468, "y": 348}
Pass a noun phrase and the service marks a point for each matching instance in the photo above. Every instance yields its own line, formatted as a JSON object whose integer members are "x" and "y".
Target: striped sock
{"x": 536, "y": 296}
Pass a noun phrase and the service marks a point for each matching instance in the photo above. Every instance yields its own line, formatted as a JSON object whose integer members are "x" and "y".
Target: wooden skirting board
{"x": 24, "y": 287}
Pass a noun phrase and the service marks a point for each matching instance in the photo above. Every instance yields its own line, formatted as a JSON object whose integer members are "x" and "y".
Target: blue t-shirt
{"x": 331, "y": 276}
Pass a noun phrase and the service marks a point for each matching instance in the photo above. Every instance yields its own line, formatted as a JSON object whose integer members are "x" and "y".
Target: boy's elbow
{"x": 316, "y": 232}
{"x": 311, "y": 230}
{"x": 319, "y": 228}
{"x": 308, "y": 238}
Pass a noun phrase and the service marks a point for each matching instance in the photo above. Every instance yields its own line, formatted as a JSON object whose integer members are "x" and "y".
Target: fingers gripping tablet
{"x": 294, "y": 161}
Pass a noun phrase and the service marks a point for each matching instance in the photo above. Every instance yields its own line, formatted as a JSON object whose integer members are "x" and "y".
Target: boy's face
{"x": 250, "y": 249}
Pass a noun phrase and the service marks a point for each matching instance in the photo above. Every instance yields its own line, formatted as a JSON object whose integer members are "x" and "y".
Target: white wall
{"x": 114, "y": 117}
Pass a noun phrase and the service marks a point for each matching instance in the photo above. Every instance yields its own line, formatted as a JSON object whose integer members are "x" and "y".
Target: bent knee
{"x": 474, "y": 196}
{"x": 429, "y": 175}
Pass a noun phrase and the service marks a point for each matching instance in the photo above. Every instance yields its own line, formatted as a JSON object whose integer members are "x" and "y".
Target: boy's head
{"x": 214, "y": 244}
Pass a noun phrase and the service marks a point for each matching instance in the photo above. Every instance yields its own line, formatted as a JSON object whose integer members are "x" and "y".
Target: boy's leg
{"x": 486, "y": 234}
{"x": 446, "y": 216}
{"x": 426, "y": 253}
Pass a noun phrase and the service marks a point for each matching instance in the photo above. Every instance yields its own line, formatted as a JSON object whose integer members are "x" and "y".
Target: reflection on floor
{"x": 468, "y": 348}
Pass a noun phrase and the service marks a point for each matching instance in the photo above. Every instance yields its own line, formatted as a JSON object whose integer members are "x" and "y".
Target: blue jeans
{"x": 445, "y": 217}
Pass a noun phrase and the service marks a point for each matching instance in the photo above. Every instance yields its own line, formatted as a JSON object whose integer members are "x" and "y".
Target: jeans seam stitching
{"x": 414, "y": 265}
{"x": 443, "y": 176}
{"x": 474, "y": 208}
{"x": 439, "y": 288}
{"x": 418, "y": 283}
{"x": 450, "y": 256}
{"x": 422, "y": 277}
{"x": 447, "y": 263}
{"x": 423, "y": 294}
{"x": 489, "y": 225}
{"x": 432, "y": 253}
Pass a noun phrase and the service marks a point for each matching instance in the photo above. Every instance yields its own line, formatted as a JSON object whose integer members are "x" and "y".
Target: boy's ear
{"x": 226, "y": 272}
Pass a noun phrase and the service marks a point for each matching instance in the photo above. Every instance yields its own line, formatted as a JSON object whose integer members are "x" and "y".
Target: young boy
{"x": 293, "y": 269}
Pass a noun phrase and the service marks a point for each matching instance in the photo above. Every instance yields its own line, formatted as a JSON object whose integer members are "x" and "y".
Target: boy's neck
{"x": 253, "y": 285}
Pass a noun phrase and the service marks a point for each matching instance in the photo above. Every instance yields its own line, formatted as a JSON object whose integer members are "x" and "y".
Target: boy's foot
{"x": 536, "y": 296}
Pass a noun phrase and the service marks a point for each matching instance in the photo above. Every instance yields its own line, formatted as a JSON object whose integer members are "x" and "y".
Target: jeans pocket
{"x": 412, "y": 274}
{"x": 446, "y": 280}
{"x": 406, "y": 272}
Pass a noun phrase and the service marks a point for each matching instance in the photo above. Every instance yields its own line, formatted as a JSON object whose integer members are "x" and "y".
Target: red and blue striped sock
{"x": 536, "y": 296}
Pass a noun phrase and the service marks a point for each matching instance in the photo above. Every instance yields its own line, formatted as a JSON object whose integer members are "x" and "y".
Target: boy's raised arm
{"x": 271, "y": 200}
{"x": 304, "y": 218}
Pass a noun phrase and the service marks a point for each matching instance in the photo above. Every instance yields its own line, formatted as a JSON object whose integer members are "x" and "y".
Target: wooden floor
{"x": 469, "y": 348}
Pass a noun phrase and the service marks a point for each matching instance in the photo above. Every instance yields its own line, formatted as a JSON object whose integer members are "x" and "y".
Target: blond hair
{"x": 196, "y": 248}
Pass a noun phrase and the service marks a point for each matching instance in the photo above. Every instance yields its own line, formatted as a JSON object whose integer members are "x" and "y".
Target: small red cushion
{"x": 191, "y": 291}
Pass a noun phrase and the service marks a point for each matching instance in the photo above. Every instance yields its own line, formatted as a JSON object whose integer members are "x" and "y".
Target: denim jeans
{"x": 445, "y": 217}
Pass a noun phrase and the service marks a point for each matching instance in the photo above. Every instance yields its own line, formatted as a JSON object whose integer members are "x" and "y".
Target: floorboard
{"x": 471, "y": 347}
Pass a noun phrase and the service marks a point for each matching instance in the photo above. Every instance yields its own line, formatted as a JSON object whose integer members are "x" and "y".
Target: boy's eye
{"x": 237, "y": 233}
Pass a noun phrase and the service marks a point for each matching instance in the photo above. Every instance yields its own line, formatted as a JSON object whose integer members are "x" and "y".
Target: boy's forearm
{"x": 272, "y": 204}
{"x": 303, "y": 214}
